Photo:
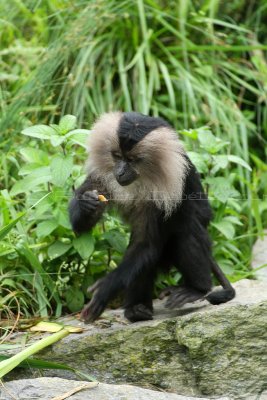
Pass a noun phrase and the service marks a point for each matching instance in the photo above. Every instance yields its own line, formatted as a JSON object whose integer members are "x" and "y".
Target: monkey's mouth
{"x": 125, "y": 181}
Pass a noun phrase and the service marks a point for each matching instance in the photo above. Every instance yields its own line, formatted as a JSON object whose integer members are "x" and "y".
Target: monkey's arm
{"x": 85, "y": 209}
{"x": 139, "y": 258}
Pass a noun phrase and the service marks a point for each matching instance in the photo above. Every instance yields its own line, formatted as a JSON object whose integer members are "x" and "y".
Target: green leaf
{"x": 42, "y": 364}
{"x": 42, "y": 278}
{"x": 78, "y": 136}
{"x": 61, "y": 168}
{"x": 57, "y": 249}
{"x": 209, "y": 142}
{"x": 32, "y": 155}
{"x": 191, "y": 133}
{"x": 234, "y": 220}
{"x": 238, "y": 160}
{"x": 116, "y": 239}
{"x": 37, "y": 177}
{"x": 44, "y": 228}
{"x": 206, "y": 139}
{"x": 226, "y": 228}
{"x": 74, "y": 299}
{"x": 12, "y": 362}
{"x": 220, "y": 162}
{"x": 199, "y": 161}
{"x": 221, "y": 188}
{"x": 56, "y": 140}
{"x": 6, "y": 229}
{"x": 84, "y": 245}
{"x": 67, "y": 123}
{"x": 39, "y": 131}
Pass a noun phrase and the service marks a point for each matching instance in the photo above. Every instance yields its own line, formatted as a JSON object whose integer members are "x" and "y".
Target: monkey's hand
{"x": 180, "y": 295}
{"x": 89, "y": 202}
{"x": 98, "y": 302}
{"x": 85, "y": 210}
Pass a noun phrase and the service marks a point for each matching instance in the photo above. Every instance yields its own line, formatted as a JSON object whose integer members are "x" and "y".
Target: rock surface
{"x": 259, "y": 257}
{"x": 199, "y": 350}
{"x": 49, "y": 388}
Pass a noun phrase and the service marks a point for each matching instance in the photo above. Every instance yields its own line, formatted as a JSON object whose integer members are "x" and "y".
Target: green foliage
{"x": 194, "y": 63}
{"x": 56, "y": 263}
{"x": 221, "y": 181}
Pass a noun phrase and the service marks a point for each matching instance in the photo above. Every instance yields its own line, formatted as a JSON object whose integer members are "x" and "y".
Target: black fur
{"x": 156, "y": 242}
{"x": 134, "y": 127}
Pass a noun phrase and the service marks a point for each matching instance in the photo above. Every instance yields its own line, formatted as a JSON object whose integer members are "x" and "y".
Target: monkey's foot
{"x": 92, "y": 310}
{"x": 138, "y": 312}
{"x": 180, "y": 295}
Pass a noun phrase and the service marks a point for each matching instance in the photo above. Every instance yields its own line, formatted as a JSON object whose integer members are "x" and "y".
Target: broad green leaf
{"x": 78, "y": 136}
{"x": 84, "y": 245}
{"x": 62, "y": 216}
{"x": 67, "y": 123}
{"x": 37, "y": 177}
{"x": 220, "y": 162}
{"x": 28, "y": 168}
{"x": 191, "y": 133}
{"x": 74, "y": 299}
{"x": 226, "y": 266}
{"x": 226, "y": 228}
{"x": 209, "y": 142}
{"x": 238, "y": 160}
{"x": 57, "y": 249}
{"x": 39, "y": 131}
{"x": 199, "y": 161}
{"x": 44, "y": 228}
{"x": 116, "y": 239}
{"x": 206, "y": 139}
{"x": 56, "y": 140}
{"x": 74, "y": 132}
{"x": 221, "y": 188}
{"x": 61, "y": 168}
{"x": 233, "y": 220}
{"x": 32, "y": 155}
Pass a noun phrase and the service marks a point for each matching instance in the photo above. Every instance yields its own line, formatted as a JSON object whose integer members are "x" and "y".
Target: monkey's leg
{"x": 192, "y": 256}
{"x": 138, "y": 299}
{"x": 140, "y": 258}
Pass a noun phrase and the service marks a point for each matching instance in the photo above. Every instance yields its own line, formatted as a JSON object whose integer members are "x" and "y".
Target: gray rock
{"x": 199, "y": 350}
{"x": 48, "y": 388}
{"x": 259, "y": 257}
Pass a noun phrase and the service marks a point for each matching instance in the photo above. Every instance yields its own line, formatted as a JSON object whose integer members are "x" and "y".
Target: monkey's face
{"x": 125, "y": 170}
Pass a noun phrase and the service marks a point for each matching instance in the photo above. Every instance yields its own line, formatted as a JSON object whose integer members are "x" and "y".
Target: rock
{"x": 49, "y": 388}
{"x": 259, "y": 257}
{"x": 199, "y": 350}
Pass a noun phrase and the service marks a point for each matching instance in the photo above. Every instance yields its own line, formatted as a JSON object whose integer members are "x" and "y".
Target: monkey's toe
{"x": 92, "y": 311}
{"x": 181, "y": 295}
{"x": 138, "y": 312}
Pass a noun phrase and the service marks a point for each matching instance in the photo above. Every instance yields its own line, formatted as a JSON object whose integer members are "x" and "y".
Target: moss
{"x": 216, "y": 351}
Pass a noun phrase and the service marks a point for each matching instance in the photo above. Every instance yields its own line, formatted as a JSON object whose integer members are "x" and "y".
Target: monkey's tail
{"x": 225, "y": 294}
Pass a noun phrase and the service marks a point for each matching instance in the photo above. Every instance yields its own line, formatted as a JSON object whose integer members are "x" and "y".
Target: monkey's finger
{"x": 92, "y": 311}
{"x": 95, "y": 286}
{"x": 181, "y": 297}
{"x": 90, "y": 195}
{"x": 166, "y": 292}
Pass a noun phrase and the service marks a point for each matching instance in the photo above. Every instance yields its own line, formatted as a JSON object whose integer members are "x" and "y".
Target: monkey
{"x": 138, "y": 163}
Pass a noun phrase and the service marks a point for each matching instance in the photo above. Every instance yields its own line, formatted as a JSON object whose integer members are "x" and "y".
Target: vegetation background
{"x": 198, "y": 63}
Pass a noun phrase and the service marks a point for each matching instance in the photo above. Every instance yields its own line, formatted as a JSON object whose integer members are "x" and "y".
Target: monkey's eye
{"x": 116, "y": 155}
{"x": 133, "y": 159}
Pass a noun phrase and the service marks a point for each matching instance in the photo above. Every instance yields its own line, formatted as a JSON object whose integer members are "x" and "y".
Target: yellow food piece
{"x": 101, "y": 197}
